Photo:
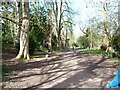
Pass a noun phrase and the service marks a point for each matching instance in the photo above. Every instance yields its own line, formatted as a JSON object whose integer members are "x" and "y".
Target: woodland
{"x": 40, "y": 50}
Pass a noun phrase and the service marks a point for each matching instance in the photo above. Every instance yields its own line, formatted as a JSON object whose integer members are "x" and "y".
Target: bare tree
{"x": 59, "y": 10}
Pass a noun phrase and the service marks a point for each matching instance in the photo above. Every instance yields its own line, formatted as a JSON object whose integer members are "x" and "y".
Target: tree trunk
{"x": 24, "y": 37}
{"x": 59, "y": 39}
{"x": 66, "y": 38}
{"x": 16, "y": 27}
{"x": 60, "y": 25}
{"x": 105, "y": 37}
{"x": 91, "y": 41}
{"x": 56, "y": 19}
{"x": 49, "y": 30}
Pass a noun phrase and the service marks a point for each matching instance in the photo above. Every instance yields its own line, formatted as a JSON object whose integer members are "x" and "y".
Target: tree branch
{"x": 11, "y": 20}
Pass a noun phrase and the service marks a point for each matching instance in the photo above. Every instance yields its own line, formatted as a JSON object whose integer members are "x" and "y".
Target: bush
{"x": 54, "y": 42}
{"x": 41, "y": 48}
{"x": 32, "y": 43}
{"x": 55, "y": 48}
{"x": 7, "y": 39}
{"x": 75, "y": 44}
{"x": 116, "y": 42}
{"x": 83, "y": 42}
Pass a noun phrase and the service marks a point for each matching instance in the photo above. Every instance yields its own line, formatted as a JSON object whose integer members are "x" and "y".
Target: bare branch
{"x": 11, "y": 20}
{"x": 82, "y": 29}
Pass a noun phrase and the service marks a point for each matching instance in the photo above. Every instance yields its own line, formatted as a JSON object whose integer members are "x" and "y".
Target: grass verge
{"x": 94, "y": 51}
{"x": 117, "y": 62}
{"x": 41, "y": 55}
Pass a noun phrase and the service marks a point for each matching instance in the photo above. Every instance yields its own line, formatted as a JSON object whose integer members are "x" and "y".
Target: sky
{"x": 85, "y": 11}
{"x": 80, "y": 7}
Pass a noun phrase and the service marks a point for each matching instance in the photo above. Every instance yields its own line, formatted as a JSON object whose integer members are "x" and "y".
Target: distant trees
{"x": 103, "y": 32}
{"x": 83, "y": 42}
{"x": 58, "y": 15}
{"x": 60, "y": 8}
{"x": 91, "y": 38}
{"x": 110, "y": 20}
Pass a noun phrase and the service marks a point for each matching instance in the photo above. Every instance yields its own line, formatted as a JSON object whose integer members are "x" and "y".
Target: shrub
{"x": 32, "y": 43}
{"x": 83, "y": 42}
{"x": 42, "y": 48}
{"x": 7, "y": 39}
{"x": 116, "y": 42}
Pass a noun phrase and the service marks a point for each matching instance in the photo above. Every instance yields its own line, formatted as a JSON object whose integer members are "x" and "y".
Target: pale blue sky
{"x": 80, "y": 6}
{"x": 87, "y": 9}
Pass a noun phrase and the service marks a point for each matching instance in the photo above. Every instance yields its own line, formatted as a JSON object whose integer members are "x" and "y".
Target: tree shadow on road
{"x": 52, "y": 66}
{"x": 84, "y": 75}
{"x": 76, "y": 79}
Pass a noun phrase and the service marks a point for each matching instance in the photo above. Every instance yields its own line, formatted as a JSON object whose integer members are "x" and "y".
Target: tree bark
{"x": 17, "y": 27}
{"x": 24, "y": 37}
{"x": 105, "y": 39}
{"x": 60, "y": 25}
{"x": 66, "y": 37}
{"x": 91, "y": 41}
{"x": 56, "y": 19}
{"x": 49, "y": 42}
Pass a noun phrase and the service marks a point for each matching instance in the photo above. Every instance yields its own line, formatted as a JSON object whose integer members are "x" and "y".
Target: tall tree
{"x": 58, "y": 13}
{"x": 60, "y": 23}
{"x": 49, "y": 38}
{"x": 55, "y": 11}
{"x": 105, "y": 33}
{"x": 17, "y": 27}
{"x": 59, "y": 9}
{"x": 48, "y": 5}
{"x": 24, "y": 37}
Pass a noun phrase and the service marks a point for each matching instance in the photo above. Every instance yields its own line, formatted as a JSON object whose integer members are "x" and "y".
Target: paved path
{"x": 70, "y": 69}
